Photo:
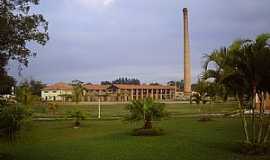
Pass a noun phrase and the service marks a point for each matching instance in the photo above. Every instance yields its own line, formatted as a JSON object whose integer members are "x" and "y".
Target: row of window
{"x": 139, "y": 91}
{"x": 134, "y": 91}
{"x": 48, "y": 91}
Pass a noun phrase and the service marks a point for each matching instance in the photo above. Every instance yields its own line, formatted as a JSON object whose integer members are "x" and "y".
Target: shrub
{"x": 146, "y": 110}
{"x": 12, "y": 119}
{"x": 77, "y": 115}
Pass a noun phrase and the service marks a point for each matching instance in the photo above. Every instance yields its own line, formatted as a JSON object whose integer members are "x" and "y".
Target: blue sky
{"x": 96, "y": 40}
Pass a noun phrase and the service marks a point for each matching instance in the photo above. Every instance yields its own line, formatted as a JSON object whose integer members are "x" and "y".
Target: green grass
{"x": 118, "y": 110}
{"x": 110, "y": 138}
{"x": 185, "y": 138}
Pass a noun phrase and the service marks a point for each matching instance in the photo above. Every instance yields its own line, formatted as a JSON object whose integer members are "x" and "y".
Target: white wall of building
{"x": 54, "y": 95}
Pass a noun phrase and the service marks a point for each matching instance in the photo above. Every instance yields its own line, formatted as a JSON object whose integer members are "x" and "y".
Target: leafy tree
{"x": 77, "y": 90}
{"x": 25, "y": 96}
{"x": 77, "y": 115}
{"x": 3, "y": 63}
{"x": 6, "y": 82}
{"x": 106, "y": 83}
{"x": 34, "y": 85}
{"x": 12, "y": 119}
{"x": 146, "y": 110}
{"x": 18, "y": 27}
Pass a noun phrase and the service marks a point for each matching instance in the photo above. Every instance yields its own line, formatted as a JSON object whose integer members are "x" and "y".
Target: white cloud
{"x": 108, "y": 2}
{"x": 96, "y": 3}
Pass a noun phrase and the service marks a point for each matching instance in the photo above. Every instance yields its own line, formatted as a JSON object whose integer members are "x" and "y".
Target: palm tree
{"x": 224, "y": 73}
{"x": 146, "y": 110}
{"x": 77, "y": 115}
{"x": 245, "y": 68}
{"x": 252, "y": 61}
{"x": 77, "y": 90}
{"x": 215, "y": 67}
{"x": 217, "y": 58}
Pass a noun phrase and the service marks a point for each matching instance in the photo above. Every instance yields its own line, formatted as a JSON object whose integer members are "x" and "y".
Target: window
{"x": 45, "y": 91}
{"x": 54, "y": 91}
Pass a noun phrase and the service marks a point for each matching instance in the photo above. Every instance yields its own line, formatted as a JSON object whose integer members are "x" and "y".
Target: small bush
{"x": 148, "y": 132}
{"x": 77, "y": 115}
{"x": 146, "y": 110}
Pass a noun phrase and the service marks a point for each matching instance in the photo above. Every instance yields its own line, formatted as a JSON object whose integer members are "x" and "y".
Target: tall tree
{"x": 6, "y": 81}
{"x": 245, "y": 68}
{"x": 34, "y": 85}
{"x": 25, "y": 96}
{"x": 19, "y": 27}
{"x": 77, "y": 90}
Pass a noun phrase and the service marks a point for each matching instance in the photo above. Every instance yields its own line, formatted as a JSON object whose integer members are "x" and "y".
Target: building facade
{"x": 135, "y": 92}
{"x": 110, "y": 93}
{"x": 57, "y": 92}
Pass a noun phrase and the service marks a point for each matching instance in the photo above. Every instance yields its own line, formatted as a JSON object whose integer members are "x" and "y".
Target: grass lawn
{"x": 185, "y": 139}
{"x": 117, "y": 111}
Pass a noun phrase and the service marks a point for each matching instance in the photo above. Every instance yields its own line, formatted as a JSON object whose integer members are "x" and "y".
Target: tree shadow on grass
{"x": 5, "y": 156}
{"x": 234, "y": 149}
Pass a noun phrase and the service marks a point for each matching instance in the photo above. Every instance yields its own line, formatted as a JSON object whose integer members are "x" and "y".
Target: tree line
{"x": 122, "y": 80}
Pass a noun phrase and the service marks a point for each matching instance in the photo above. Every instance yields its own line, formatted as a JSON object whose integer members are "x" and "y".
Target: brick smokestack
{"x": 187, "y": 66}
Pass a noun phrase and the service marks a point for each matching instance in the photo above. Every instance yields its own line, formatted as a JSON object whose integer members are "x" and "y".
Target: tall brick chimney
{"x": 187, "y": 65}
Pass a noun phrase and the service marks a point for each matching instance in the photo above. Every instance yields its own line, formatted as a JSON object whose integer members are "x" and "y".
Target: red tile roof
{"x": 64, "y": 86}
{"x": 58, "y": 86}
{"x": 143, "y": 86}
{"x": 96, "y": 87}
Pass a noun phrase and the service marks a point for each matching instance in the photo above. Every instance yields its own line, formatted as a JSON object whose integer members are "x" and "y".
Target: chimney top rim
{"x": 185, "y": 9}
